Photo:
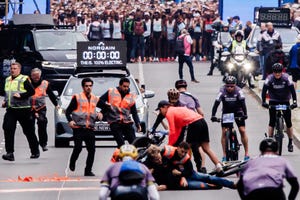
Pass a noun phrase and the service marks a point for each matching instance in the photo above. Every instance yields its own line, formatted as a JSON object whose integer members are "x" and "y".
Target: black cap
{"x": 161, "y": 104}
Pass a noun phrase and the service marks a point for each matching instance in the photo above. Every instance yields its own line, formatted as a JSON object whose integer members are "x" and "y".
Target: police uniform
{"x": 18, "y": 109}
{"x": 38, "y": 103}
{"x": 82, "y": 110}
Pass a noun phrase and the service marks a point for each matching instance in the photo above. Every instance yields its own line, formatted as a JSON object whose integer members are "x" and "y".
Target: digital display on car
{"x": 101, "y": 53}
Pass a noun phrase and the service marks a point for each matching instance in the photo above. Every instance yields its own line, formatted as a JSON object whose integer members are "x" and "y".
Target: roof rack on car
{"x": 81, "y": 70}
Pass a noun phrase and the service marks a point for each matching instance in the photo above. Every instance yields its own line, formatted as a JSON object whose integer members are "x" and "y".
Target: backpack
{"x": 138, "y": 28}
{"x": 179, "y": 46}
{"x": 127, "y": 26}
{"x": 94, "y": 32}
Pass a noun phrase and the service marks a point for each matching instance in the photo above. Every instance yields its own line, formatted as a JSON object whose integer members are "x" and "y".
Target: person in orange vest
{"x": 197, "y": 131}
{"x": 118, "y": 104}
{"x": 81, "y": 115}
{"x": 176, "y": 161}
{"x": 38, "y": 105}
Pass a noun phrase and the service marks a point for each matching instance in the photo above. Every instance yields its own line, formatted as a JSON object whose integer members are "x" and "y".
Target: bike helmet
{"x": 180, "y": 83}
{"x": 277, "y": 67}
{"x": 239, "y": 33}
{"x": 128, "y": 150}
{"x": 173, "y": 95}
{"x": 230, "y": 80}
{"x": 268, "y": 144}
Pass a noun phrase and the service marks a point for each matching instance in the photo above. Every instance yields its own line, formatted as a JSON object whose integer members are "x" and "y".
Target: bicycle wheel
{"x": 227, "y": 145}
{"x": 279, "y": 134}
{"x": 142, "y": 144}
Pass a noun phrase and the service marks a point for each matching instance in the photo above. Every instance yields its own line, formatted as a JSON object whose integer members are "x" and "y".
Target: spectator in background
{"x": 247, "y": 29}
{"x": 259, "y": 49}
{"x": 276, "y": 56}
{"x": 238, "y": 24}
{"x": 294, "y": 61}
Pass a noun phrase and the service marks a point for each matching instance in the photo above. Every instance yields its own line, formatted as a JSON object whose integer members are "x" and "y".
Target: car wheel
{"x": 61, "y": 143}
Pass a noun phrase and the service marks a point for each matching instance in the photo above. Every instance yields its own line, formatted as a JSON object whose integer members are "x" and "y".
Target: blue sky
{"x": 29, "y": 7}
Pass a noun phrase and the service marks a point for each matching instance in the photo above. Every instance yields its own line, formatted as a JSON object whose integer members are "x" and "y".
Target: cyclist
{"x": 262, "y": 178}
{"x": 233, "y": 100}
{"x": 280, "y": 90}
{"x": 128, "y": 178}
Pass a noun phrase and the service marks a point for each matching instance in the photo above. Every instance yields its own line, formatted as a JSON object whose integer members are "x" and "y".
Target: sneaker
{"x": 35, "y": 156}
{"x": 9, "y": 157}
{"x": 194, "y": 58}
{"x": 209, "y": 73}
{"x": 89, "y": 173}
{"x": 72, "y": 166}
{"x": 204, "y": 58}
{"x": 195, "y": 81}
{"x": 161, "y": 60}
{"x": 202, "y": 170}
{"x": 224, "y": 159}
{"x": 290, "y": 148}
{"x": 219, "y": 168}
{"x": 246, "y": 158}
{"x": 45, "y": 148}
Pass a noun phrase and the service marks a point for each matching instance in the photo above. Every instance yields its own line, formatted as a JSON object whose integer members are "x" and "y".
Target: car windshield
{"x": 288, "y": 36}
{"x": 58, "y": 40}
{"x": 101, "y": 85}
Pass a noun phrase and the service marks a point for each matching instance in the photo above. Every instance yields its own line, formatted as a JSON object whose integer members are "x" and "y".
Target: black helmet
{"x": 230, "y": 80}
{"x": 277, "y": 67}
{"x": 180, "y": 83}
{"x": 268, "y": 144}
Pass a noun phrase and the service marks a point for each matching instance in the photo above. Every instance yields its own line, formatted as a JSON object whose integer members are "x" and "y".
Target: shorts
{"x": 295, "y": 74}
{"x": 156, "y": 35}
{"x": 197, "y": 132}
{"x": 238, "y": 122}
{"x": 287, "y": 115}
{"x": 197, "y": 35}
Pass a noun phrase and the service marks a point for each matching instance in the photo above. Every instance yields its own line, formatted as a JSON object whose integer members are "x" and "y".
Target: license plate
{"x": 102, "y": 126}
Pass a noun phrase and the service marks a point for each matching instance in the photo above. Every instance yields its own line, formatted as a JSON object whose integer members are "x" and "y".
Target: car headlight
{"x": 46, "y": 64}
{"x": 230, "y": 66}
{"x": 248, "y": 66}
{"x": 141, "y": 110}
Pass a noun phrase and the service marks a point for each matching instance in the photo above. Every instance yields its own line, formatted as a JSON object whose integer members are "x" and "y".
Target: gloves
{"x": 294, "y": 105}
{"x": 213, "y": 118}
{"x": 265, "y": 105}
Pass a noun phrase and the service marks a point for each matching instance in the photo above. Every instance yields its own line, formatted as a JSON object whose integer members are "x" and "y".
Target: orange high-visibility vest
{"x": 38, "y": 100}
{"x": 169, "y": 152}
{"x": 120, "y": 107}
{"x": 85, "y": 113}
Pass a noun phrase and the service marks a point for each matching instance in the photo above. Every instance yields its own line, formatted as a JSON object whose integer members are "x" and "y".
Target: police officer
{"x": 38, "y": 102}
{"x": 81, "y": 115}
{"x": 18, "y": 91}
{"x": 118, "y": 104}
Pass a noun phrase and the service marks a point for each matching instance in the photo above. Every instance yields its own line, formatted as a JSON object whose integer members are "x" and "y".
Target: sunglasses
{"x": 230, "y": 86}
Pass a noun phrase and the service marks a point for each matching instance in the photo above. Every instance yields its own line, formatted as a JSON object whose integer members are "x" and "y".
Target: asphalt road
{"x": 49, "y": 178}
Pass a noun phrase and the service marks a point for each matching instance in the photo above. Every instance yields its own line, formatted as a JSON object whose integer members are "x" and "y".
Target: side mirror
{"x": 149, "y": 94}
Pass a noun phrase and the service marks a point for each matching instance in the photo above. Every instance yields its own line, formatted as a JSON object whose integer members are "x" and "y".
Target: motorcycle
{"x": 240, "y": 65}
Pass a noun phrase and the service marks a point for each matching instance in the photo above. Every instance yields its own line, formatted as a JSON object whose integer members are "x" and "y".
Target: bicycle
{"x": 229, "y": 168}
{"x": 232, "y": 145}
{"x": 279, "y": 124}
{"x": 143, "y": 143}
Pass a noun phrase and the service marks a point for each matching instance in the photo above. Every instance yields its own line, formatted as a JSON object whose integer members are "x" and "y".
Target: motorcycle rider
{"x": 239, "y": 46}
{"x": 128, "y": 178}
